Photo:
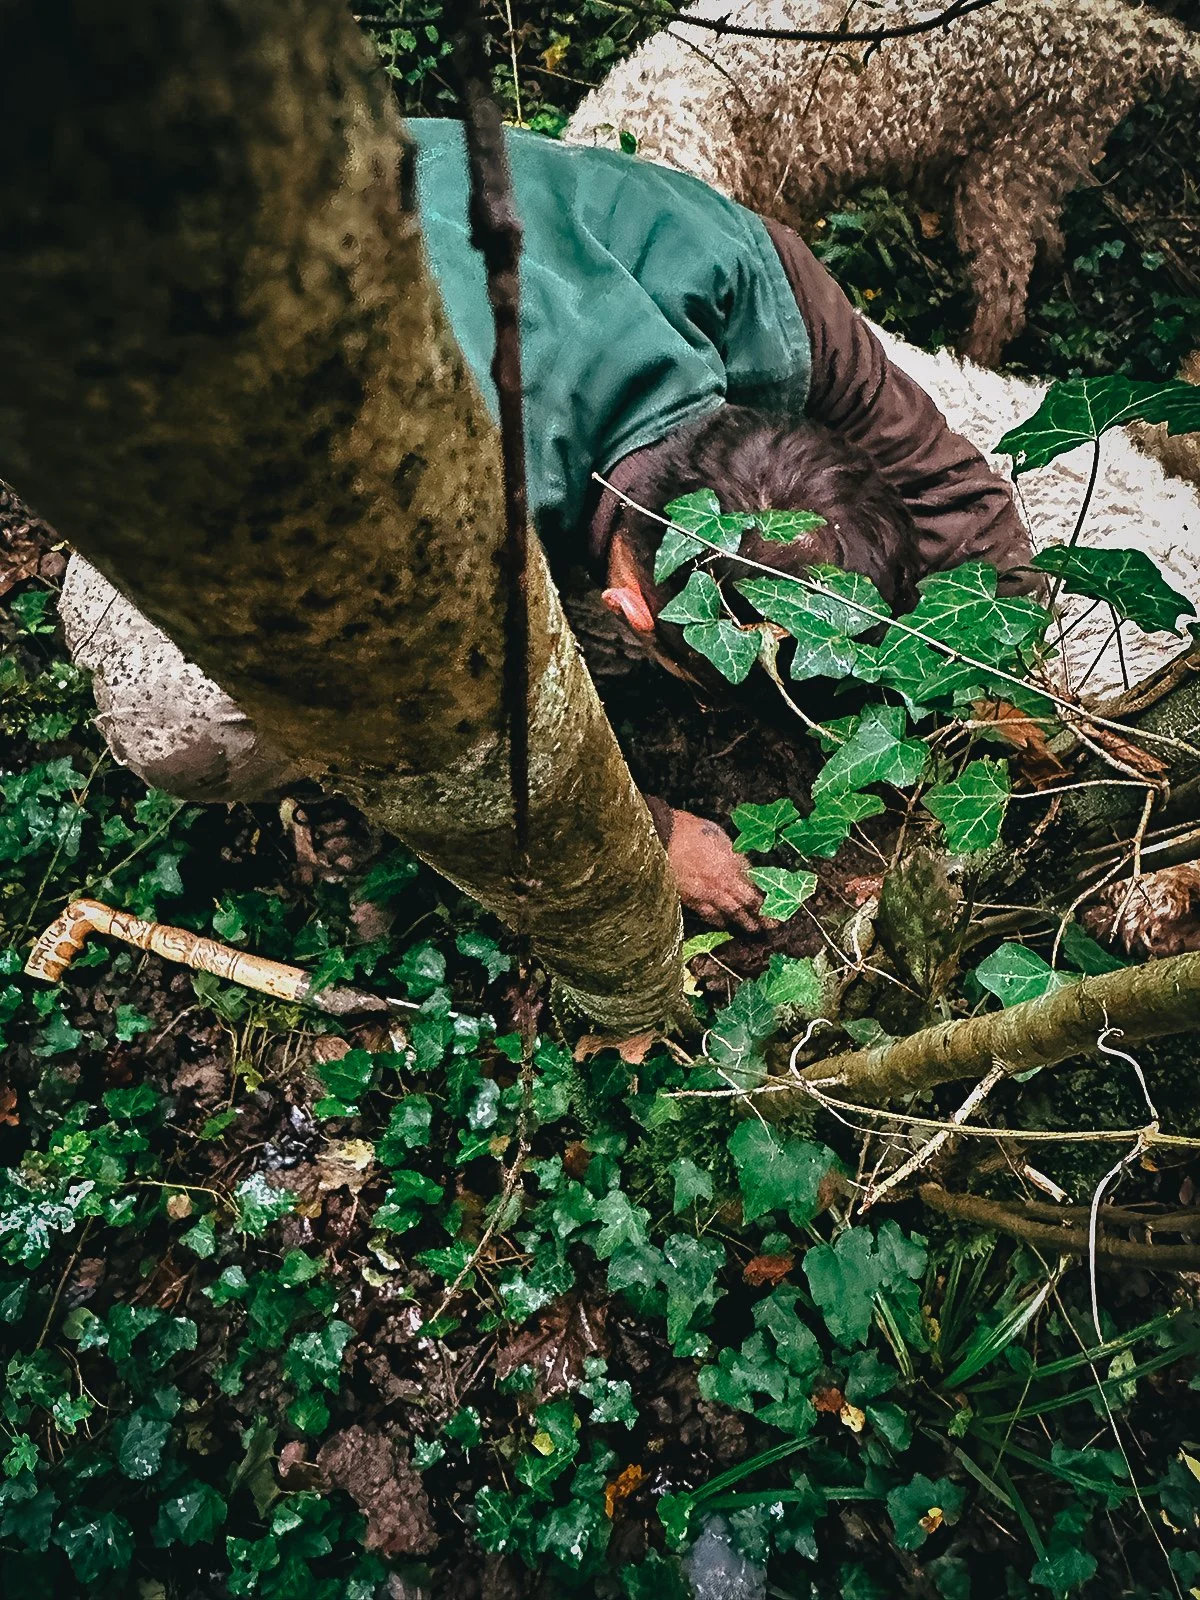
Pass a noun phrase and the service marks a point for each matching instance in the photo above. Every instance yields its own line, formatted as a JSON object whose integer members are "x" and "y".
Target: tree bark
{"x": 229, "y": 380}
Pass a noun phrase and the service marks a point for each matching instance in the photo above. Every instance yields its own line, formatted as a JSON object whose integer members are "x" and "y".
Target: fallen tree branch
{"x": 1144, "y": 1002}
{"x": 1015, "y": 1220}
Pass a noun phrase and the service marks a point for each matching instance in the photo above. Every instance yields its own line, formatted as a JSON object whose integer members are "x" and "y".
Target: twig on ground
{"x": 926, "y": 1153}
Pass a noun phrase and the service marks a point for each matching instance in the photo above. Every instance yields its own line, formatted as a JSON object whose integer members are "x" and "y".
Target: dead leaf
{"x": 374, "y": 1471}
{"x": 862, "y": 889}
{"x": 626, "y": 1483}
{"x": 1143, "y": 762}
{"x": 933, "y": 1519}
{"x": 552, "y": 58}
{"x": 345, "y": 1164}
{"x": 577, "y": 1158}
{"x": 557, "y": 1344}
{"x": 767, "y": 1269}
{"x": 632, "y": 1051}
{"x": 1035, "y": 760}
{"x": 179, "y": 1206}
{"x": 853, "y": 1417}
{"x": 8, "y": 1106}
{"x": 931, "y": 224}
{"x": 829, "y": 1400}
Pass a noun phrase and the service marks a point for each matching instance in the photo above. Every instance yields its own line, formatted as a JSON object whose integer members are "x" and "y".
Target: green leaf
{"x": 919, "y": 1508}
{"x": 697, "y": 513}
{"x": 201, "y": 1238}
{"x": 348, "y": 1077}
{"x": 778, "y": 1172}
{"x": 259, "y": 1203}
{"x": 1127, "y": 580}
{"x": 308, "y": 1413}
{"x": 689, "y": 1274}
{"x": 759, "y": 827}
{"x": 848, "y": 605}
{"x": 961, "y": 609}
{"x": 190, "y": 1518}
{"x": 479, "y": 947}
{"x": 844, "y": 1278}
{"x": 142, "y": 1435}
{"x": 792, "y": 982}
{"x": 131, "y": 1022}
{"x": 622, "y": 1224}
{"x": 422, "y": 970}
{"x": 692, "y": 1183}
{"x": 876, "y": 752}
{"x": 827, "y": 826}
{"x": 972, "y": 808}
{"x": 1088, "y": 957}
{"x": 731, "y": 649}
{"x": 408, "y": 1129}
{"x": 316, "y": 1358}
{"x": 1014, "y": 973}
{"x": 95, "y": 1545}
{"x": 782, "y": 527}
{"x": 785, "y": 891}
{"x": 1065, "y": 1564}
{"x": 701, "y": 943}
{"x": 1078, "y": 410}
{"x": 698, "y": 601}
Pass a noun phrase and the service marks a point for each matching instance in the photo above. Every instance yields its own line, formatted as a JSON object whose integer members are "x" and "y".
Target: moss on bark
{"x": 230, "y": 382}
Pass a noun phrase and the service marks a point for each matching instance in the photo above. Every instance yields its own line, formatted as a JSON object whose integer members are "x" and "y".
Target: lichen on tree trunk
{"x": 229, "y": 381}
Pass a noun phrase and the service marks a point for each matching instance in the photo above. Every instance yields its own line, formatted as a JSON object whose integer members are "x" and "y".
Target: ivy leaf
{"x": 961, "y": 609}
{"x": 731, "y": 649}
{"x": 1014, "y": 973}
{"x": 876, "y": 752}
{"x": 699, "y": 512}
{"x": 190, "y": 1518}
{"x": 689, "y": 1274}
{"x": 408, "y": 1129}
{"x": 844, "y": 1278}
{"x": 785, "y": 892}
{"x": 778, "y": 1173}
{"x": 1127, "y": 580}
{"x": 921, "y": 1507}
{"x": 972, "y": 808}
{"x": 259, "y": 1203}
{"x": 143, "y": 1434}
{"x": 316, "y": 1358}
{"x": 851, "y": 605}
{"x": 1084, "y": 954}
{"x": 95, "y": 1545}
{"x": 759, "y": 827}
{"x": 622, "y": 1224}
{"x": 827, "y": 826}
{"x": 698, "y": 601}
{"x": 479, "y": 947}
{"x": 791, "y": 981}
{"x": 1078, "y": 410}
{"x": 692, "y": 1183}
{"x": 783, "y": 526}
{"x": 701, "y": 943}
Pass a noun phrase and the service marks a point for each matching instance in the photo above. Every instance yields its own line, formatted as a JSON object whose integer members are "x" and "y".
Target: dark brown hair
{"x": 757, "y": 462}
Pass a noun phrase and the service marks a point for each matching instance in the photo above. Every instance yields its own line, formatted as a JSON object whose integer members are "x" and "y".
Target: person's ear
{"x": 629, "y": 602}
{"x": 624, "y": 593}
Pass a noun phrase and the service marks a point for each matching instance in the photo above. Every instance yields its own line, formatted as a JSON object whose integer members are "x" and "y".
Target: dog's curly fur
{"x": 997, "y": 116}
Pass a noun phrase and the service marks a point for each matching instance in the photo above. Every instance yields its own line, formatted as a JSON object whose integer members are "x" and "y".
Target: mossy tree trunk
{"x": 227, "y": 378}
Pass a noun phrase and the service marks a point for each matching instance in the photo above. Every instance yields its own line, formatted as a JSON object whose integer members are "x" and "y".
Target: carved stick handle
{"x": 68, "y": 933}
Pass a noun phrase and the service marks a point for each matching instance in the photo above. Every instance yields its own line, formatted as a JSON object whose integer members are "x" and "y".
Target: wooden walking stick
{"x": 66, "y": 936}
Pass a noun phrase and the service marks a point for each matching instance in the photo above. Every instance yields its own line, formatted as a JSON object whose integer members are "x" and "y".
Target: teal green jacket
{"x": 647, "y": 300}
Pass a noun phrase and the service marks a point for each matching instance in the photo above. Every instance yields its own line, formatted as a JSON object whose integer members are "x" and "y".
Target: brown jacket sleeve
{"x": 962, "y": 509}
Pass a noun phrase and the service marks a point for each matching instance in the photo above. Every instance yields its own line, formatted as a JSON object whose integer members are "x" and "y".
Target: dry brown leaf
{"x": 829, "y": 1400}
{"x": 632, "y": 1051}
{"x": 345, "y": 1164}
{"x": 853, "y": 1417}
{"x": 1127, "y": 753}
{"x": 933, "y": 1519}
{"x": 1035, "y": 760}
{"x": 864, "y": 888}
{"x": 931, "y": 224}
{"x": 557, "y": 1344}
{"x": 767, "y": 1269}
{"x": 8, "y": 1106}
{"x": 626, "y": 1483}
{"x": 179, "y": 1206}
{"x": 577, "y": 1158}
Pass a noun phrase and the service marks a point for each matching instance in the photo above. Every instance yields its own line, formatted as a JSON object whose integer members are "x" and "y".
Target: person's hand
{"x": 713, "y": 880}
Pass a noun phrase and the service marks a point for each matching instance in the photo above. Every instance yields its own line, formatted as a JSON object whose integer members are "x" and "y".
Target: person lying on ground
{"x": 671, "y": 341}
